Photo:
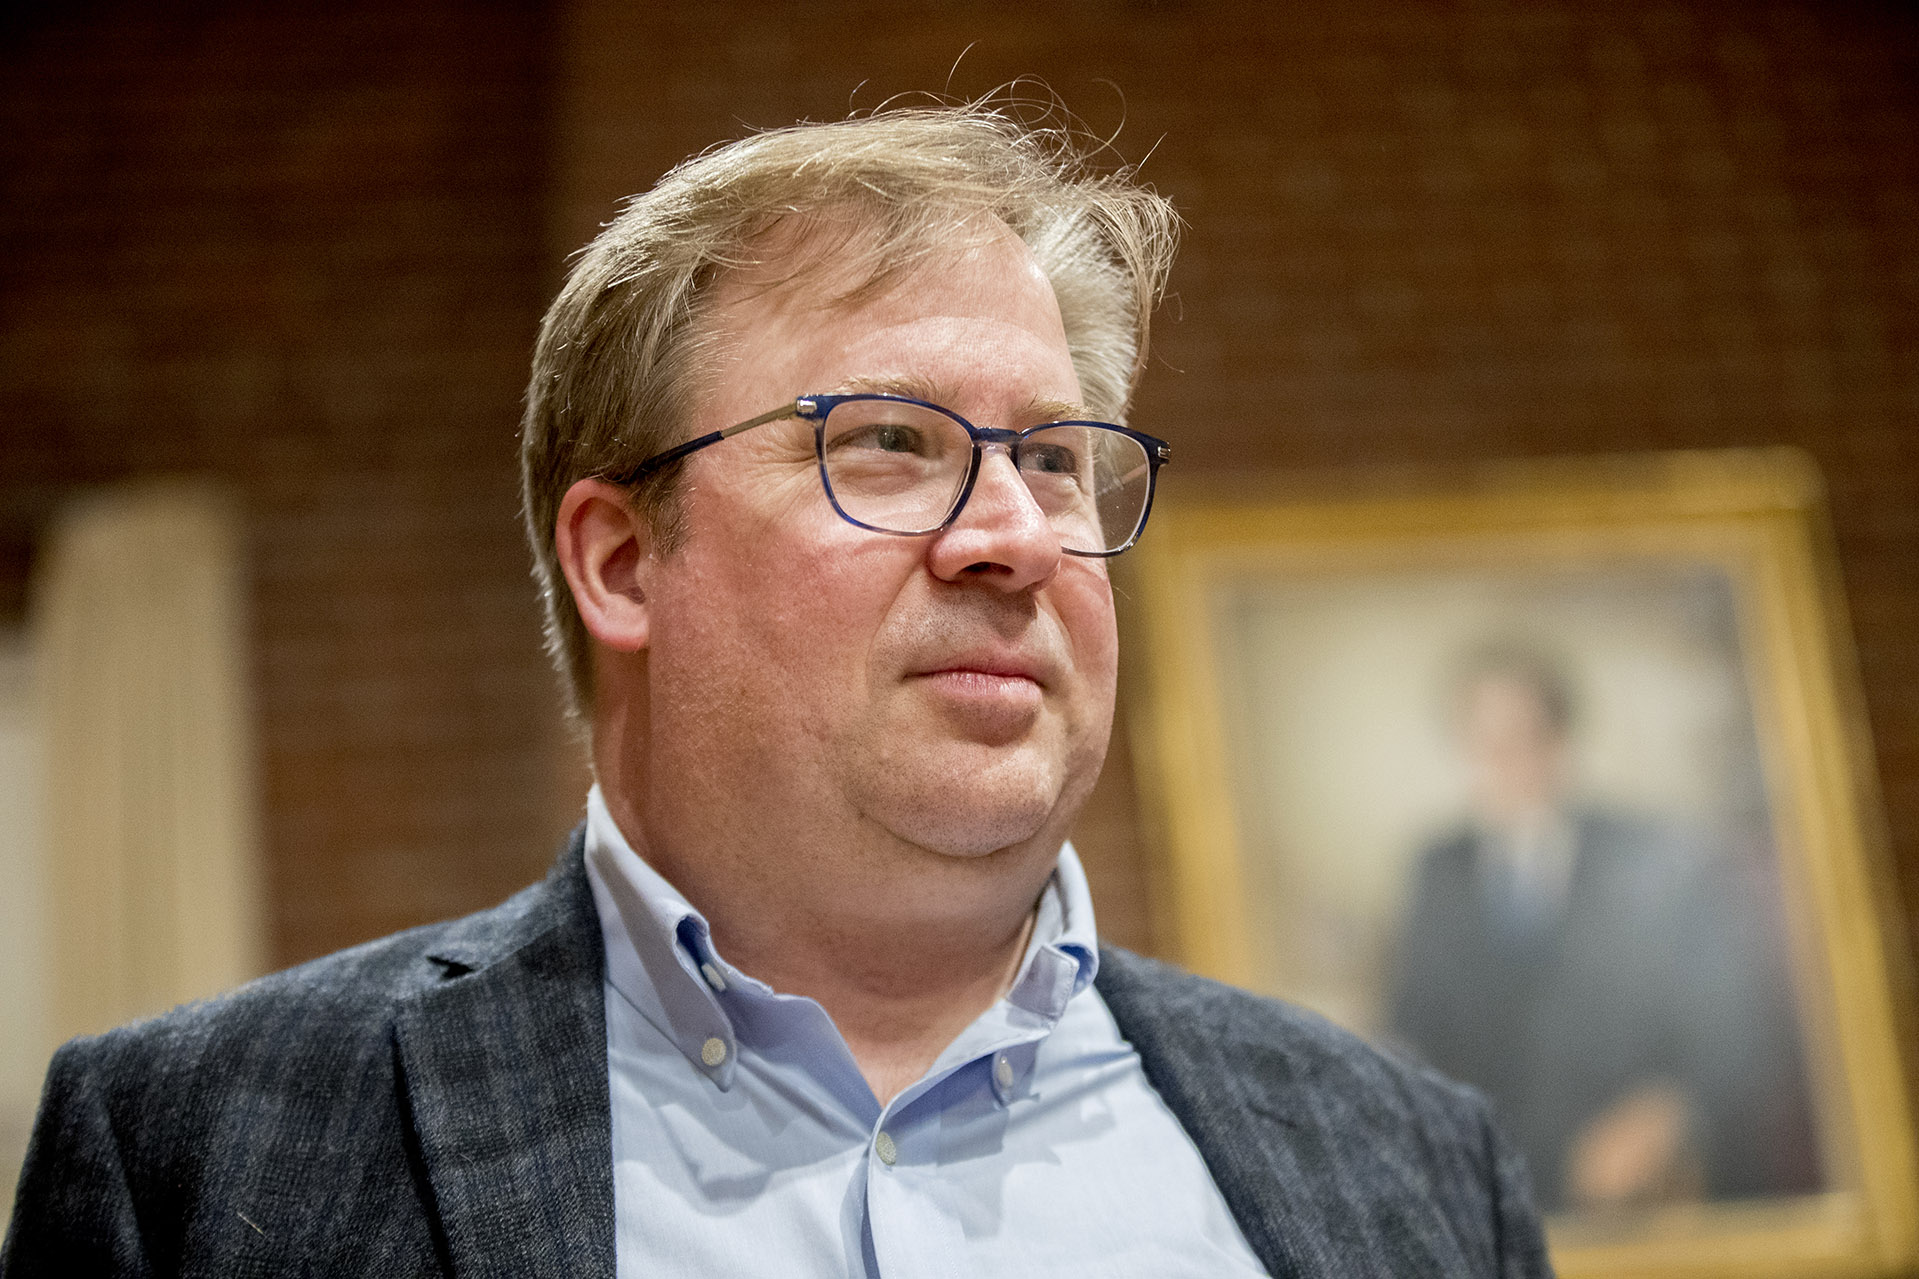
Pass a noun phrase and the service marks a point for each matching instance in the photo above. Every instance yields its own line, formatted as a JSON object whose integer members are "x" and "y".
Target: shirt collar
{"x": 1062, "y": 959}
{"x": 660, "y": 955}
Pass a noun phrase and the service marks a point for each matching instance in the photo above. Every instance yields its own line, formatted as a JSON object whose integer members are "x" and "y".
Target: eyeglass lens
{"x": 900, "y": 467}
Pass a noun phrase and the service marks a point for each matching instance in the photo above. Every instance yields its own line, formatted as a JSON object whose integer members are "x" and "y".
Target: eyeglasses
{"x": 897, "y": 465}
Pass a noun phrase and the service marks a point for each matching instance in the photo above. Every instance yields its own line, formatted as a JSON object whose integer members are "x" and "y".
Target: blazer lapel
{"x": 1306, "y": 1146}
{"x": 504, "y": 1067}
{"x": 1242, "y": 1147}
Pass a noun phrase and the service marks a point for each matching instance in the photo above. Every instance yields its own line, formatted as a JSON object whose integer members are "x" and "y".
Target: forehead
{"x": 843, "y": 257}
{"x": 826, "y": 301}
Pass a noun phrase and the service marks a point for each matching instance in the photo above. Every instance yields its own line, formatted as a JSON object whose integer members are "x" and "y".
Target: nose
{"x": 1000, "y": 536}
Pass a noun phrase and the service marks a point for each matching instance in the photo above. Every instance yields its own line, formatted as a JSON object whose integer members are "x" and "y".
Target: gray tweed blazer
{"x": 435, "y": 1103}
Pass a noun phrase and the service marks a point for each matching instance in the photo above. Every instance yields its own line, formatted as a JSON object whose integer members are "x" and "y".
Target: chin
{"x": 969, "y": 800}
{"x": 969, "y": 819}
{"x": 966, "y": 815}
{"x": 968, "y": 837}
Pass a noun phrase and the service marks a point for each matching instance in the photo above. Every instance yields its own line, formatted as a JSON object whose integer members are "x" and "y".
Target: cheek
{"x": 804, "y": 621}
{"x": 1085, "y": 606}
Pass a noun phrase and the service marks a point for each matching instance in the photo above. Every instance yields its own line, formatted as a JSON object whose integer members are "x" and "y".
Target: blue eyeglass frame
{"x": 814, "y": 408}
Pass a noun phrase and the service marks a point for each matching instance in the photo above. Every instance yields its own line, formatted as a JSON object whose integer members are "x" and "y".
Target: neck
{"x": 896, "y": 1017}
{"x": 902, "y": 946}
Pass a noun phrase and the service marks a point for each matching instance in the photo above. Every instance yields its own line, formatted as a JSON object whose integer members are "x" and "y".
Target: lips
{"x": 989, "y": 667}
{"x": 991, "y": 696}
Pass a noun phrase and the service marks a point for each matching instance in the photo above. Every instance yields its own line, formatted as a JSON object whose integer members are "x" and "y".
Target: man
{"x": 1613, "y": 984}
{"x": 821, "y": 475}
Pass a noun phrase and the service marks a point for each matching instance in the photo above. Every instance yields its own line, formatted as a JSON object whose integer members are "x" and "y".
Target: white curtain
{"x": 151, "y": 867}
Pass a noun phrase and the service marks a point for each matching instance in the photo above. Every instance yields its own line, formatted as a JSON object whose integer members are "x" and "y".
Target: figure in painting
{"x": 1614, "y": 982}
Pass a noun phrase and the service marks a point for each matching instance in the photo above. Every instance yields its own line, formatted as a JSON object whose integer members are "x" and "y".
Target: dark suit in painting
{"x": 436, "y": 1103}
{"x": 1661, "y": 964}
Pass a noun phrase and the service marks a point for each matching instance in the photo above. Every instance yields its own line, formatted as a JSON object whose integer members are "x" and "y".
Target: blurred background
{"x": 271, "y": 275}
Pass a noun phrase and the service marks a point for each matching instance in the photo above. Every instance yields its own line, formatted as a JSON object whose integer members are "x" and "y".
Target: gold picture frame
{"x": 1281, "y": 634}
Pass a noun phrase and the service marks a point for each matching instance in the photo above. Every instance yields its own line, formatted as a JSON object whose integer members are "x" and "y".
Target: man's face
{"x": 1516, "y": 755}
{"x": 955, "y": 690}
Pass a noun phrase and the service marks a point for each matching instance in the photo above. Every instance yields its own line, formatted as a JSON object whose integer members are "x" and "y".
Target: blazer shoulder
{"x": 1284, "y": 1057}
{"x": 176, "y": 1136}
{"x": 307, "y": 1015}
{"x": 1336, "y": 1155}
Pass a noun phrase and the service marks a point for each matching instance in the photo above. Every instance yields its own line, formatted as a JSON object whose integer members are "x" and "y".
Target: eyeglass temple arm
{"x": 694, "y": 445}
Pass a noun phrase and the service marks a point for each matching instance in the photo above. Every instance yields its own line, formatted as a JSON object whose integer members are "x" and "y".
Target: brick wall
{"x": 308, "y": 253}
{"x": 302, "y": 251}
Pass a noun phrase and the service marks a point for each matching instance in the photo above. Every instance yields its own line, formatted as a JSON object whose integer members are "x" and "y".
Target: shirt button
{"x": 713, "y": 1051}
{"x": 883, "y": 1145}
{"x": 1003, "y": 1073}
{"x": 713, "y": 977}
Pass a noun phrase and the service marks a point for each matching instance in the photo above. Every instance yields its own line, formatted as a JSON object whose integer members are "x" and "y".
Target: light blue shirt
{"x": 746, "y": 1141}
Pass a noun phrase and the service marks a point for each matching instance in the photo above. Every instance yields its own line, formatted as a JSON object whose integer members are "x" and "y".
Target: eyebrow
{"x": 916, "y": 387}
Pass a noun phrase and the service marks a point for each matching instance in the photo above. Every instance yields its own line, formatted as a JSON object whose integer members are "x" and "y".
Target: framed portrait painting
{"x": 1553, "y": 777}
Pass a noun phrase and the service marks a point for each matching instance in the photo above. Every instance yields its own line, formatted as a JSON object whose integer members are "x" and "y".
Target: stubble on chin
{"x": 965, "y": 800}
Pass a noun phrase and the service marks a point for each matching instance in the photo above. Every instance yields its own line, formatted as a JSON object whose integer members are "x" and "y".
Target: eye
{"x": 885, "y": 437}
{"x": 1048, "y": 458}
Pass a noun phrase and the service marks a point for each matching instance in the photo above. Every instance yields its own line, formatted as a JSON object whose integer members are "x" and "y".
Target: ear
{"x": 604, "y": 546}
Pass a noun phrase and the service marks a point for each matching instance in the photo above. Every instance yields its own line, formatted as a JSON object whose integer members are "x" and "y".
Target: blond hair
{"x": 616, "y": 367}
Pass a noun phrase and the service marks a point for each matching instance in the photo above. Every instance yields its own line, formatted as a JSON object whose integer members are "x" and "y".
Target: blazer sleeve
{"x": 73, "y": 1212}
